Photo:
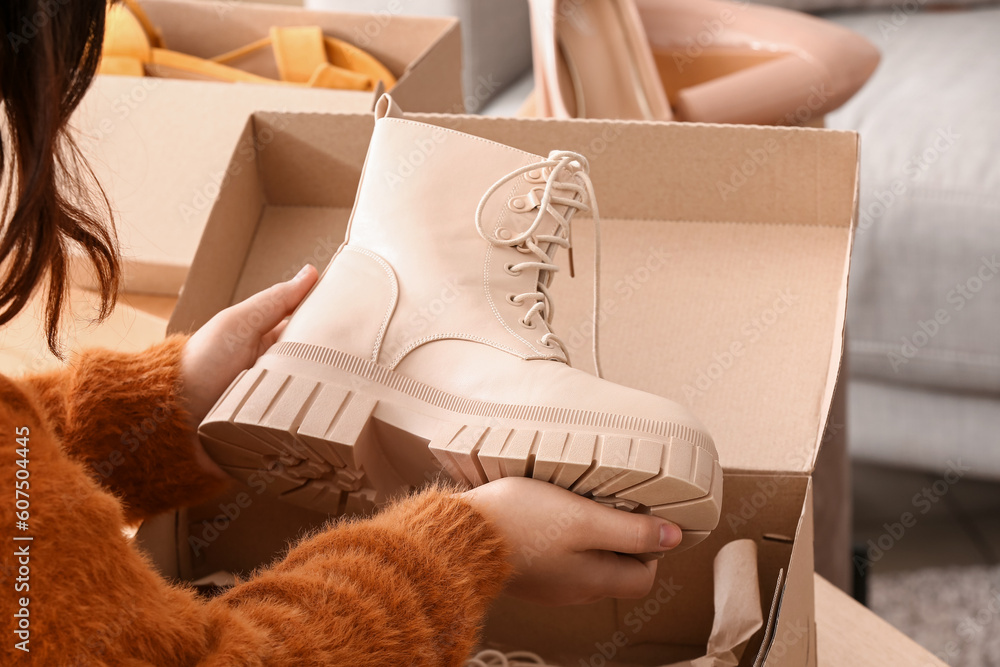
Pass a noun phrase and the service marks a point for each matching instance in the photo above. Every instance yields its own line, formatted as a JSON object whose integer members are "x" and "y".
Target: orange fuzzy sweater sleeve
{"x": 121, "y": 416}
{"x": 409, "y": 587}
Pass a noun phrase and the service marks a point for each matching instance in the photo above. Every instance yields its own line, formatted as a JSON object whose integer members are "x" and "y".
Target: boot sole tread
{"x": 340, "y": 442}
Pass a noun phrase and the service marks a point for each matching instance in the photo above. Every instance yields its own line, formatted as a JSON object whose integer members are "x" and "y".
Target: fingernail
{"x": 302, "y": 273}
{"x": 670, "y": 536}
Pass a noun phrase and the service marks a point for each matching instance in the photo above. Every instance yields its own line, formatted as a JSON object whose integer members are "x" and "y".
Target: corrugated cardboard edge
{"x": 837, "y": 353}
{"x": 793, "y": 640}
{"x": 426, "y": 85}
{"x": 771, "y": 616}
{"x": 242, "y": 178}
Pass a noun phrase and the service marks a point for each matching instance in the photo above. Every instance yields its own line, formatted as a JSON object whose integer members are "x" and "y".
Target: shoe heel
{"x": 300, "y": 439}
{"x": 766, "y": 92}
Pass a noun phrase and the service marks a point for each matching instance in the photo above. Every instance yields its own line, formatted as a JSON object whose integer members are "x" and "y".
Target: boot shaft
{"x": 418, "y": 264}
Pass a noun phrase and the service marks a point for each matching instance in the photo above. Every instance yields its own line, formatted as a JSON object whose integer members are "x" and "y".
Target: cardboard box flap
{"x": 695, "y": 171}
{"x": 792, "y": 640}
{"x": 141, "y": 173}
{"x": 678, "y": 250}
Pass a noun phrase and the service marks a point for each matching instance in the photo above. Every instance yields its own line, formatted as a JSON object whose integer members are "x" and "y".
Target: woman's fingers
{"x": 618, "y": 576}
{"x": 566, "y": 549}
{"x": 263, "y": 311}
{"x": 271, "y": 337}
{"x": 615, "y": 530}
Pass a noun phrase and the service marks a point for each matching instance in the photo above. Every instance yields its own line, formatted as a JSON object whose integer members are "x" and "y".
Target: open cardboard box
{"x": 160, "y": 146}
{"x": 727, "y": 295}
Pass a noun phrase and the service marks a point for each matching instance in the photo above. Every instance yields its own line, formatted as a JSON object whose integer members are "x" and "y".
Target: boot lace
{"x": 491, "y": 658}
{"x": 566, "y": 178}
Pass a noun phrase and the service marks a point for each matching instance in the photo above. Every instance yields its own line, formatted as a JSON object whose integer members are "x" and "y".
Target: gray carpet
{"x": 952, "y": 612}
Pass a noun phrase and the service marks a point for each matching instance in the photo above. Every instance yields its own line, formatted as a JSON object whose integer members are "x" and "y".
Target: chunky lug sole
{"x": 337, "y": 433}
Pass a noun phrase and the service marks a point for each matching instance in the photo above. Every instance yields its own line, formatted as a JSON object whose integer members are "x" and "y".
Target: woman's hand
{"x": 232, "y": 341}
{"x": 566, "y": 549}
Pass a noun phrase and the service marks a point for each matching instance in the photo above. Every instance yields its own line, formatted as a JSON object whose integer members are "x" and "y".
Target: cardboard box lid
{"x": 160, "y": 147}
{"x": 725, "y": 257}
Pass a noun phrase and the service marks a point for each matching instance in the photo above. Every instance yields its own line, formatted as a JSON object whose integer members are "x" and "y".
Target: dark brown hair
{"x": 51, "y": 205}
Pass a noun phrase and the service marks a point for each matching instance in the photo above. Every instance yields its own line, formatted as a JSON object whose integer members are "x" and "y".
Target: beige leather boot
{"x": 427, "y": 345}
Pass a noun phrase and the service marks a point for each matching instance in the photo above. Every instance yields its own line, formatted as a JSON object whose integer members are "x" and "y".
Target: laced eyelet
{"x": 514, "y": 301}
{"x": 528, "y": 325}
{"x": 545, "y": 343}
{"x": 509, "y": 268}
{"x": 519, "y": 204}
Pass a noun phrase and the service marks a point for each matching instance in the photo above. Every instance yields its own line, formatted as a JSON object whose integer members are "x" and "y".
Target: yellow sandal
{"x": 304, "y": 56}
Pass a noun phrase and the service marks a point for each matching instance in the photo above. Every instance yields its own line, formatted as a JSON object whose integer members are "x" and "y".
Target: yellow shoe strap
{"x": 331, "y": 76}
{"x": 299, "y": 52}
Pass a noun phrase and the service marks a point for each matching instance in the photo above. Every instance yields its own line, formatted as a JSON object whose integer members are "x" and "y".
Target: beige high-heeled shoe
{"x": 715, "y": 61}
{"x": 733, "y": 62}
{"x": 591, "y": 60}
